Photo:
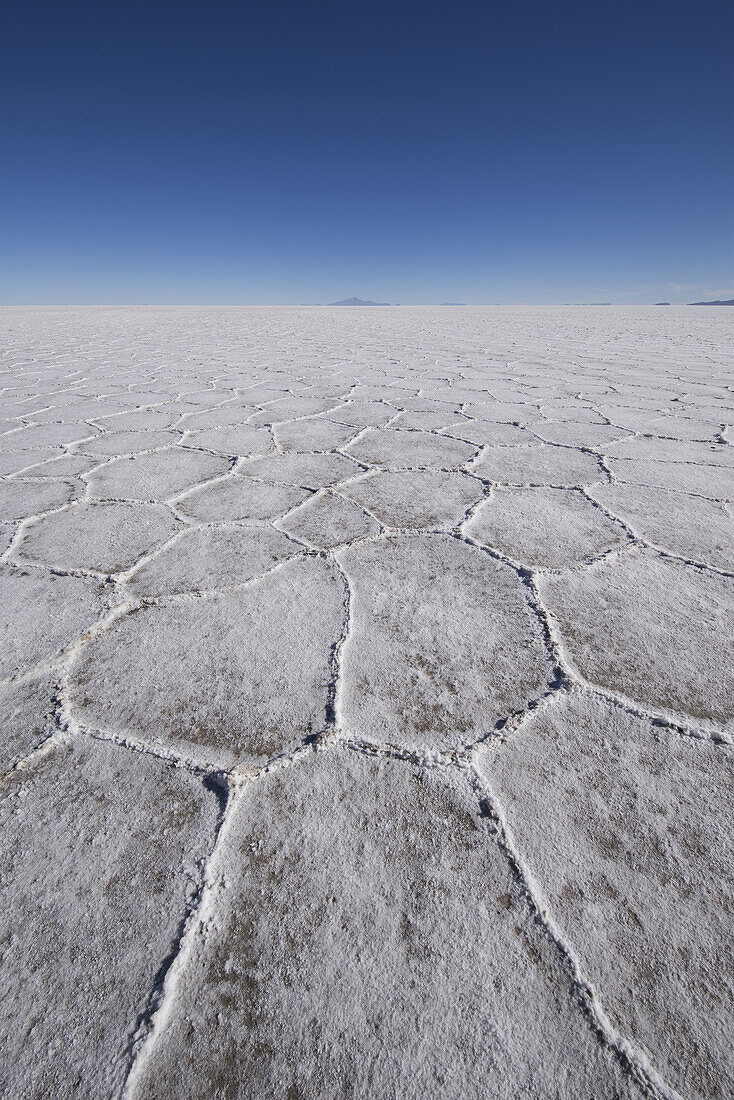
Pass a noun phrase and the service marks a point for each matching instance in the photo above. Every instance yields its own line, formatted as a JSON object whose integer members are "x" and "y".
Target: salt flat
{"x": 367, "y": 703}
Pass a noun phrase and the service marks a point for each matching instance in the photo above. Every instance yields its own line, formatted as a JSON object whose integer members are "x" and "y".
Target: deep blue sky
{"x": 302, "y": 152}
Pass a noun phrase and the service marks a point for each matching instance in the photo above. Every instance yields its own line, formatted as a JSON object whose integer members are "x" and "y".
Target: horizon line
{"x": 335, "y": 305}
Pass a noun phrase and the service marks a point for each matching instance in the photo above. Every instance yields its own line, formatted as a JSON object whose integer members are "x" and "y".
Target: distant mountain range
{"x": 358, "y": 302}
{"x": 718, "y": 302}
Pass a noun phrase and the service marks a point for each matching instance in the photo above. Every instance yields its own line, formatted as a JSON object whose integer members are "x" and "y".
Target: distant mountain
{"x": 662, "y": 303}
{"x": 358, "y": 302}
{"x": 718, "y": 302}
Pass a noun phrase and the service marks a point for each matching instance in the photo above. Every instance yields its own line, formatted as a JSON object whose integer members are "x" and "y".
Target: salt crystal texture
{"x": 366, "y": 704}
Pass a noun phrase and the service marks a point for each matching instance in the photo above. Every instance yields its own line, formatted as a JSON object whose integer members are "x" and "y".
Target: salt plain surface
{"x": 367, "y": 703}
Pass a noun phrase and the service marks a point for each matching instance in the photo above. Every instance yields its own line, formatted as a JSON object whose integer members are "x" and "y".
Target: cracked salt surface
{"x": 366, "y": 709}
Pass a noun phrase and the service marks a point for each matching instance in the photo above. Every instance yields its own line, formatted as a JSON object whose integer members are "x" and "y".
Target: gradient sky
{"x": 304, "y": 152}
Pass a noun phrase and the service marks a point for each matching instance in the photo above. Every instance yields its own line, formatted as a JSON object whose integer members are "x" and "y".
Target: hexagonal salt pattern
{"x": 692, "y": 527}
{"x": 106, "y": 538}
{"x": 365, "y": 703}
{"x": 102, "y": 852}
{"x": 154, "y": 475}
{"x": 41, "y": 614}
{"x": 396, "y": 449}
{"x": 544, "y": 528}
{"x": 239, "y": 498}
{"x": 650, "y": 629}
{"x": 28, "y": 708}
{"x": 328, "y": 520}
{"x": 240, "y": 439}
{"x": 566, "y": 467}
{"x": 23, "y": 499}
{"x": 417, "y": 498}
{"x": 367, "y": 938}
{"x": 312, "y": 435}
{"x": 308, "y": 471}
{"x": 702, "y": 479}
{"x": 224, "y": 678}
{"x": 625, "y": 828}
{"x": 443, "y": 643}
{"x": 208, "y": 558}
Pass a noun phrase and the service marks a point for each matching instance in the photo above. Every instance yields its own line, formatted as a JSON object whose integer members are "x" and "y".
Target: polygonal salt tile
{"x": 27, "y": 709}
{"x": 205, "y": 559}
{"x": 240, "y": 498}
{"x": 652, "y": 449}
{"x": 362, "y": 392}
{"x": 715, "y": 482}
{"x": 20, "y": 499}
{"x": 71, "y": 413}
{"x": 483, "y": 434}
{"x": 336, "y": 390}
{"x": 291, "y": 408}
{"x": 139, "y": 420}
{"x": 417, "y": 498}
{"x": 61, "y": 465}
{"x": 107, "y": 538}
{"x": 310, "y": 471}
{"x": 40, "y": 614}
{"x": 101, "y": 851}
{"x": 363, "y": 414}
{"x": 405, "y": 387}
{"x": 502, "y": 412}
{"x": 625, "y": 828}
{"x": 260, "y": 393}
{"x": 624, "y": 416}
{"x": 216, "y": 418}
{"x": 651, "y": 629}
{"x": 126, "y": 443}
{"x": 228, "y": 678}
{"x": 690, "y": 526}
{"x": 395, "y": 449}
{"x": 327, "y": 520}
{"x": 207, "y": 398}
{"x": 312, "y": 435}
{"x": 572, "y": 411}
{"x": 572, "y": 434}
{"x": 431, "y": 421}
{"x": 155, "y": 476}
{"x": 442, "y": 645}
{"x": 399, "y": 401}
{"x": 369, "y": 939}
{"x": 15, "y": 462}
{"x": 46, "y": 435}
{"x": 678, "y": 427}
{"x": 563, "y": 467}
{"x": 236, "y": 439}
{"x": 544, "y": 528}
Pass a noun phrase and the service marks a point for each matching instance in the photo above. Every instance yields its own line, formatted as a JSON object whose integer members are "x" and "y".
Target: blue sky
{"x": 304, "y": 152}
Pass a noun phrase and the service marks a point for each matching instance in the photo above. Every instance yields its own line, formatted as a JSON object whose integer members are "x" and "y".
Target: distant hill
{"x": 662, "y": 303}
{"x": 358, "y": 302}
{"x": 718, "y": 302}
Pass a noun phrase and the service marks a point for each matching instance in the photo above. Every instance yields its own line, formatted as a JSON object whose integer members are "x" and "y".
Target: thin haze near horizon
{"x": 294, "y": 153}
